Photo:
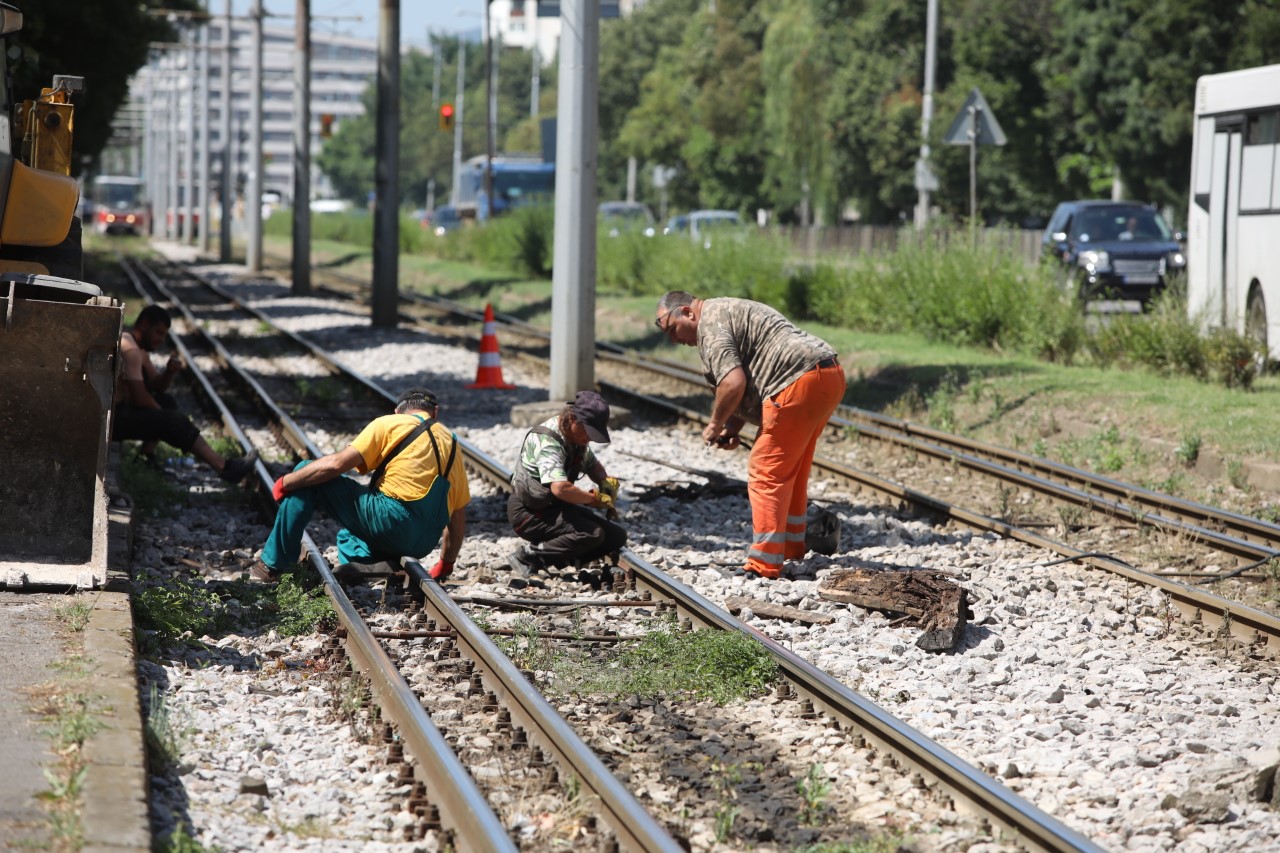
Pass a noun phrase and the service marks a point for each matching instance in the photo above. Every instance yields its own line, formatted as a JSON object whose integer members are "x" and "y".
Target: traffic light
{"x": 446, "y": 116}
{"x": 326, "y": 125}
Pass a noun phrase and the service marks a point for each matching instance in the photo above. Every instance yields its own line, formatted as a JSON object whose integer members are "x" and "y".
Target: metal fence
{"x": 850, "y": 240}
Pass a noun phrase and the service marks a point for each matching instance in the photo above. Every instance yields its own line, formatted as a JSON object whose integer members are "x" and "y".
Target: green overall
{"x": 375, "y": 526}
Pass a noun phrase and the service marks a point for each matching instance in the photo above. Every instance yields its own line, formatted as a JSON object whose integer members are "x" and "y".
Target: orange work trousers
{"x": 778, "y": 471}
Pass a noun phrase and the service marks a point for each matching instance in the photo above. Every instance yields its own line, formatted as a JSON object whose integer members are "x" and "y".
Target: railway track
{"x": 970, "y": 789}
{"x": 1200, "y": 530}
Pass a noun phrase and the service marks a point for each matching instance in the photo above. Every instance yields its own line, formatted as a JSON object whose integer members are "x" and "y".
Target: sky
{"x": 416, "y": 16}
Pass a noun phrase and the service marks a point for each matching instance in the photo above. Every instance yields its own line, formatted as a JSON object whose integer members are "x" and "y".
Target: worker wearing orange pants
{"x": 766, "y": 371}
{"x": 778, "y": 470}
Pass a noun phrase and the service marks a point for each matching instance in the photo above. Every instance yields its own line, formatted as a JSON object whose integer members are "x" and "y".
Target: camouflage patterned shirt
{"x": 771, "y": 350}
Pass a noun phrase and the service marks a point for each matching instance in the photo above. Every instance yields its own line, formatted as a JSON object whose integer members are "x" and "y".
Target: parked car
{"x": 1114, "y": 249}
{"x": 445, "y": 219}
{"x": 676, "y": 224}
{"x": 617, "y": 217}
{"x": 703, "y": 224}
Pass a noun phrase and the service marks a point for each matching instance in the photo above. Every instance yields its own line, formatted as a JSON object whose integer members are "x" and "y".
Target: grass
{"x": 165, "y": 735}
{"x": 1025, "y": 401}
{"x": 723, "y": 666}
{"x": 71, "y": 717}
{"x": 182, "y": 611}
{"x": 74, "y": 615}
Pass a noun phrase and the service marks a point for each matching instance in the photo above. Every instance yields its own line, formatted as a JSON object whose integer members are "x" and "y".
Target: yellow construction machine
{"x": 59, "y": 339}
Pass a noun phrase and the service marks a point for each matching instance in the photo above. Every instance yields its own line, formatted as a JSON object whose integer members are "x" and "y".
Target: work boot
{"x": 260, "y": 573}
{"x": 524, "y": 562}
{"x": 236, "y": 470}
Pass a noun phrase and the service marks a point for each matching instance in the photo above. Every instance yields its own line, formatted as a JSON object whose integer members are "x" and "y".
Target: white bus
{"x": 1233, "y": 221}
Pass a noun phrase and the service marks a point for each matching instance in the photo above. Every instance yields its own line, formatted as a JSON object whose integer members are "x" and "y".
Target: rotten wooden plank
{"x": 929, "y": 599}
{"x": 736, "y": 603}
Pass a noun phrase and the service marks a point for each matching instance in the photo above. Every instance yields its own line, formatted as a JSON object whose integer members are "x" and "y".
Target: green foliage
{"x": 813, "y": 790}
{"x": 105, "y": 41}
{"x": 1188, "y": 449}
{"x": 183, "y": 610}
{"x": 151, "y": 491}
{"x": 165, "y": 734}
{"x": 720, "y": 665}
{"x": 74, "y": 615}
{"x": 180, "y": 841}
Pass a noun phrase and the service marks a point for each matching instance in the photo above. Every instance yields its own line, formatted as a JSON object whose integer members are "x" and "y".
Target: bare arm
{"x": 322, "y": 470}
{"x": 729, "y": 395}
{"x": 451, "y": 542}
{"x": 569, "y": 493}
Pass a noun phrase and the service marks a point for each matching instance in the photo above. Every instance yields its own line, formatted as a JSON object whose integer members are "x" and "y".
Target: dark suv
{"x": 1115, "y": 249}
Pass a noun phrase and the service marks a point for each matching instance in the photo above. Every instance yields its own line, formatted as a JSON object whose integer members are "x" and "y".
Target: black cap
{"x": 593, "y": 413}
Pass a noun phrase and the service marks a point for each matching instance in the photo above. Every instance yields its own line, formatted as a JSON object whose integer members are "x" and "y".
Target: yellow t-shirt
{"x": 409, "y": 476}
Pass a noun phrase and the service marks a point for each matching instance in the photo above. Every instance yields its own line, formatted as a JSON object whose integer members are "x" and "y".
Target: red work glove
{"x": 277, "y": 490}
{"x": 441, "y": 571}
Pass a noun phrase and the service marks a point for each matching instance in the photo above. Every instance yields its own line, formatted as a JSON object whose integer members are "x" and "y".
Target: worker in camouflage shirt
{"x": 770, "y": 373}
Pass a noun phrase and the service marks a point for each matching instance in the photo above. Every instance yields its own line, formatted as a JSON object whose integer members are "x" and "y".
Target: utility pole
{"x": 253, "y": 204}
{"x": 302, "y": 149}
{"x": 489, "y": 121}
{"x": 573, "y": 285}
{"x": 457, "y": 122}
{"x": 386, "y": 204}
{"x": 925, "y": 180}
{"x": 228, "y": 182}
{"x": 535, "y": 79}
{"x": 206, "y": 150}
{"x": 189, "y": 152}
{"x": 175, "y": 140}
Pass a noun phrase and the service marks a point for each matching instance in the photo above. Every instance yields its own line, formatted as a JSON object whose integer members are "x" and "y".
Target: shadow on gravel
{"x": 343, "y": 260}
{"x": 533, "y": 309}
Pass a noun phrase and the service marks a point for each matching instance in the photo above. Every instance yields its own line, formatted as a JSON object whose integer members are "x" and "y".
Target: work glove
{"x": 441, "y": 571}
{"x": 277, "y": 490}
{"x": 609, "y": 497}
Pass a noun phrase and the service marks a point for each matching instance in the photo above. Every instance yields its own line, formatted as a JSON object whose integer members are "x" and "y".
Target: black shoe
{"x": 360, "y": 571}
{"x": 237, "y": 470}
{"x": 523, "y": 562}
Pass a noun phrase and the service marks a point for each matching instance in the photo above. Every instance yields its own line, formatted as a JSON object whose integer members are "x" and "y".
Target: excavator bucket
{"x": 58, "y": 355}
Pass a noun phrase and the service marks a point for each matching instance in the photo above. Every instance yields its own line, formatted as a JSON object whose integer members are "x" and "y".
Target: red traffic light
{"x": 446, "y": 116}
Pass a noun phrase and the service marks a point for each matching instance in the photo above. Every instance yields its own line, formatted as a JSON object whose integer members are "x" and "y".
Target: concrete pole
{"x": 386, "y": 210}
{"x": 457, "y": 122}
{"x": 253, "y": 202}
{"x": 206, "y": 150}
{"x": 148, "y": 139}
{"x": 573, "y": 286}
{"x": 926, "y": 117}
{"x": 535, "y": 78}
{"x": 227, "y": 192}
{"x": 489, "y": 113}
{"x": 302, "y": 149}
{"x": 175, "y": 135}
{"x": 188, "y": 90}
{"x": 631, "y": 179}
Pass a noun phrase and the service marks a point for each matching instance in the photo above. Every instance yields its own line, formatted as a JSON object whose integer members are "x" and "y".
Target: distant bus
{"x": 119, "y": 205}
{"x": 1233, "y": 218}
{"x": 517, "y": 181}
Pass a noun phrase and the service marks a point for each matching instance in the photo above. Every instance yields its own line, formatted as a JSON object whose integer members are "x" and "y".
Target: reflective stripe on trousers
{"x": 778, "y": 471}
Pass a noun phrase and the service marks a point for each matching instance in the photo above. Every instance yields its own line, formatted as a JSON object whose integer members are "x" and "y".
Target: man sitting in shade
{"x": 546, "y": 509}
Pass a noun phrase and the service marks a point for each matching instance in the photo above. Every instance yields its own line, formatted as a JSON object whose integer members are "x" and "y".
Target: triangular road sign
{"x": 989, "y": 132}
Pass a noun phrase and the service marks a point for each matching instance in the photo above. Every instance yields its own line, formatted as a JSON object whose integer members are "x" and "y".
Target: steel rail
{"x": 1240, "y": 535}
{"x": 634, "y": 827}
{"x": 1196, "y": 605}
{"x": 1034, "y": 827}
{"x": 1228, "y": 532}
{"x": 463, "y": 807}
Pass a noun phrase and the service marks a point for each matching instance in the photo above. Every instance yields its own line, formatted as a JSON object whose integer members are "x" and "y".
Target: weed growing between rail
{"x": 180, "y": 841}
{"x": 723, "y": 666}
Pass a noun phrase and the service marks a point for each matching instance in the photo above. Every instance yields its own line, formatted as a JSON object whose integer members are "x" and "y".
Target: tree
{"x": 104, "y": 41}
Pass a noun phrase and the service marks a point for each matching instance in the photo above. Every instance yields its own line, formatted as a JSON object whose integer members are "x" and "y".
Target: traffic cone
{"x": 489, "y": 373}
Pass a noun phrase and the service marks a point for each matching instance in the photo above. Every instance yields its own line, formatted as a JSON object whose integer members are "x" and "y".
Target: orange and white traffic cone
{"x": 489, "y": 373}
